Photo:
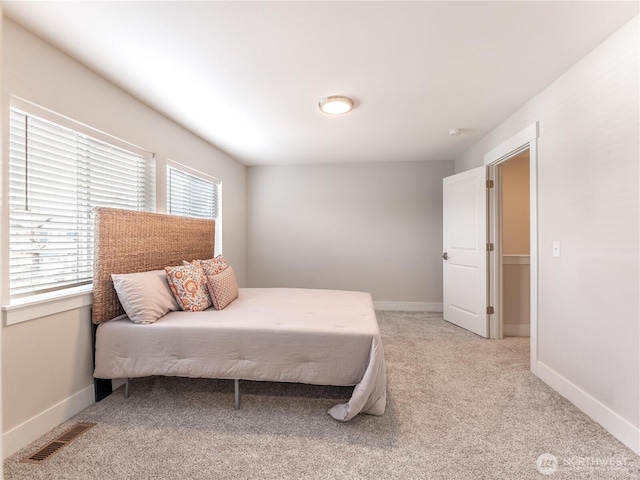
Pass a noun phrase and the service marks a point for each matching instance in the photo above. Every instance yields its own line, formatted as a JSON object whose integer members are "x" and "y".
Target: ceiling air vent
{"x": 53, "y": 447}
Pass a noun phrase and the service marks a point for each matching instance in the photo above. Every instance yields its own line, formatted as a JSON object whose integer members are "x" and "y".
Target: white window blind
{"x": 191, "y": 195}
{"x": 57, "y": 176}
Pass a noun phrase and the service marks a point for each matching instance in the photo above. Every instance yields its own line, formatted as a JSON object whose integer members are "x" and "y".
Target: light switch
{"x": 556, "y": 248}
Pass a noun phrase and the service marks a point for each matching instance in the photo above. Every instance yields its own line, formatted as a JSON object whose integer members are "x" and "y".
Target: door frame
{"x": 523, "y": 140}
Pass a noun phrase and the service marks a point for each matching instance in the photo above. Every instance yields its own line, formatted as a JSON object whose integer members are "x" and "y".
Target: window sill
{"x": 38, "y": 306}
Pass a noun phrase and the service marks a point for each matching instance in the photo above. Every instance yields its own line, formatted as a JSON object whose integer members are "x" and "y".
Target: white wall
{"x": 1, "y": 208}
{"x": 47, "y": 374}
{"x": 588, "y": 192}
{"x": 374, "y": 227}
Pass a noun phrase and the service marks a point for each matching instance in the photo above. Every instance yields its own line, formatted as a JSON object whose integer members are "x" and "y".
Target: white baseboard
{"x": 617, "y": 426}
{"x": 29, "y": 431}
{"x": 409, "y": 306}
{"x": 516, "y": 330}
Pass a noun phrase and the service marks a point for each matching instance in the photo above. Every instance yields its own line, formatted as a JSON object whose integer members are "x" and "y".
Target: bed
{"x": 319, "y": 337}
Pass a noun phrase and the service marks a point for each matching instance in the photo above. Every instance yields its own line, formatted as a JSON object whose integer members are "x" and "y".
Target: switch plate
{"x": 556, "y": 248}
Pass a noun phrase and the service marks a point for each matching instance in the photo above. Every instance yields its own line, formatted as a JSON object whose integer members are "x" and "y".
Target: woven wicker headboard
{"x": 126, "y": 242}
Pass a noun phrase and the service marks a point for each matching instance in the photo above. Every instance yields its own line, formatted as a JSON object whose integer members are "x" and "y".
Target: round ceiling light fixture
{"x": 336, "y": 105}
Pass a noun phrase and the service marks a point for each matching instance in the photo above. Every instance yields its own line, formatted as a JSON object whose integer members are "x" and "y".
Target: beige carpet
{"x": 460, "y": 407}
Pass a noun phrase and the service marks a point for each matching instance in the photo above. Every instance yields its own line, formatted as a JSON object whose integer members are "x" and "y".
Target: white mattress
{"x": 320, "y": 337}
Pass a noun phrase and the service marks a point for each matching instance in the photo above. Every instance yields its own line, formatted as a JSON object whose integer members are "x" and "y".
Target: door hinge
{"x": 489, "y": 247}
{"x": 489, "y": 183}
{"x": 490, "y": 311}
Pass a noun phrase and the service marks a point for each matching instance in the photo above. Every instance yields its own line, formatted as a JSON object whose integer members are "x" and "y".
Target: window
{"x": 195, "y": 194}
{"x": 57, "y": 175}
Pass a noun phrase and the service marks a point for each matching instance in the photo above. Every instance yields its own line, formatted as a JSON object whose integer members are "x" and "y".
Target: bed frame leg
{"x": 236, "y": 384}
{"x": 126, "y": 388}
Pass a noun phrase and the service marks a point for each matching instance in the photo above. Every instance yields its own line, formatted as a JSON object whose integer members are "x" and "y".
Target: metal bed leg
{"x": 126, "y": 388}
{"x": 236, "y": 384}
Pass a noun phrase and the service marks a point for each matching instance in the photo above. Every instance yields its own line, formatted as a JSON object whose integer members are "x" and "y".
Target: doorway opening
{"x": 473, "y": 277}
{"x": 495, "y": 161}
{"x": 513, "y": 246}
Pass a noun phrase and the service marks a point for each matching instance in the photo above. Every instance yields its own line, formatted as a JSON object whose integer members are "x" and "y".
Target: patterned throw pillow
{"x": 223, "y": 288}
{"x": 213, "y": 266}
{"x": 189, "y": 285}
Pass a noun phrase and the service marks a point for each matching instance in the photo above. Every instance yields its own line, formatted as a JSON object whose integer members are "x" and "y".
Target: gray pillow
{"x": 145, "y": 296}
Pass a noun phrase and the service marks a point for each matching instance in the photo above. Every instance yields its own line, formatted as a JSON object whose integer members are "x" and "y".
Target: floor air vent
{"x": 53, "y": 447}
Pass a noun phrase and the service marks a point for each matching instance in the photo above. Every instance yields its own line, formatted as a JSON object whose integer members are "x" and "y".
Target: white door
{"x": 465, "y": 250}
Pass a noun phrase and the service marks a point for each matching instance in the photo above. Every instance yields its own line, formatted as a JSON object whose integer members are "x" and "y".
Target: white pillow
{"x": 145, "y": 296}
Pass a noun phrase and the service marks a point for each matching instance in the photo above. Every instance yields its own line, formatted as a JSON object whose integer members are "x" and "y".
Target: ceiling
{"x": 248, "y": 76}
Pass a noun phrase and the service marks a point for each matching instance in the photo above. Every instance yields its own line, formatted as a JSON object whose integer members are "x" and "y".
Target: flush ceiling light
{"x": 336, "y": 105}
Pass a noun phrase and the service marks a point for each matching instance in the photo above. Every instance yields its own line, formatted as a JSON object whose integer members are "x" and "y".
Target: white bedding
{"x": 320, "y": 337}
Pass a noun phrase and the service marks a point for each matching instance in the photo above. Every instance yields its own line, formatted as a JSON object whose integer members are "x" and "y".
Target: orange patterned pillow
{"x": 223, "y": 288}
{"x": 213, "y": 266}
{"x": 188, "y": 284}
